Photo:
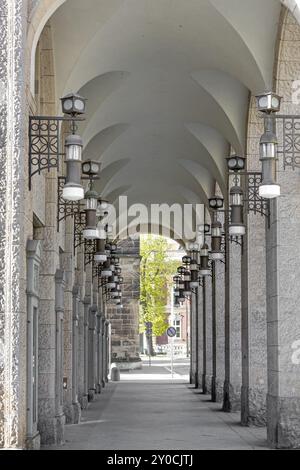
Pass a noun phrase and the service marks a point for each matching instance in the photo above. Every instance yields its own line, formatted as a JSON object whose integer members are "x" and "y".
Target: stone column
{"x": 195, "y": 306}
{"x": 13, "y": 165}
{"x": 194, "y": 365}
{"x": 33, "y": 267}
{"x": 68, "y": 264}
{"x": 208, "y": 305}
{"x": 235, "y": 327}
{"x": 283, "y": 267}
{"x": 87, "y": 305}
{"x": 103, "y": 351}
{"x": 254, "y": 325}
{"x": 213, "y": 333}
{"x": 75, "y": 326}
{"x": 92, "y": 353}
{"x": 50, "y": 425}
{"x": 220, "y": 330}
{"x": 82, "y": 330}
{"x": 99, "y": 352}
{"x": 107, "y": 352}
{"x": 232, "y": 325}
{"x": 59, "y": 351}
{"x": 203, "y": 333}
{"x": 200, "y": 335}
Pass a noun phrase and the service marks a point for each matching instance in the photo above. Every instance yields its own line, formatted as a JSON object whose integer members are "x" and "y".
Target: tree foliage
{"x": 156, "y": 279}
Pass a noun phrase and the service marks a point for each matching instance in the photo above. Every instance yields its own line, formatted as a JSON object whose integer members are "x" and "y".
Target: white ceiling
{"x": 167, "y": 83}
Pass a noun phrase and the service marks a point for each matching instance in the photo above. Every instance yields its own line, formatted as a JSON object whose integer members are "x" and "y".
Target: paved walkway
{"x": 149, "y": 410}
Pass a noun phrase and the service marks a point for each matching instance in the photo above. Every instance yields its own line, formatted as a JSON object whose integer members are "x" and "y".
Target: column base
{"x": 72, "y": 412}
{"x": 76, "y": 412}
{"x": 52, "y": 430}
{"x": 283, "y": 422}
{"x": 33, "y": 442}
{"x": 91, "y": 394}
{"x": 253, "y": 409}
{"x": 84, "y": 401}
{"x": 219, "y": 390}
{"x": 208, "y": 384}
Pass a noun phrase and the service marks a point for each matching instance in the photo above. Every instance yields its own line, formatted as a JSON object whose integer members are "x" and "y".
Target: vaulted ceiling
{"x": 167, "y": 83}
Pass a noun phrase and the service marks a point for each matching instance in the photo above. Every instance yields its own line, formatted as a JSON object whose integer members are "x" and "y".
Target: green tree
{"x": 156, "y": 279}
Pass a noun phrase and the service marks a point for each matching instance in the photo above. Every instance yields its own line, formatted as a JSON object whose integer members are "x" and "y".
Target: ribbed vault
{"x": 168, "y": 86}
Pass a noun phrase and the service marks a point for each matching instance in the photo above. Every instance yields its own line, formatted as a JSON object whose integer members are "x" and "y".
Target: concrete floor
{"x": 149, "y": 410}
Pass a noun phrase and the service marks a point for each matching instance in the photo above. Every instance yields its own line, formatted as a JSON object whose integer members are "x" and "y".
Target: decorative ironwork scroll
{"x": 254, "y": 202}
{"x": 44, "y": 145}
{"x": 288, "y": 133}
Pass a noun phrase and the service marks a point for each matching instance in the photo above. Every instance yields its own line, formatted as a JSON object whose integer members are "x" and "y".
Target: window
{"x": 177, "y": 325}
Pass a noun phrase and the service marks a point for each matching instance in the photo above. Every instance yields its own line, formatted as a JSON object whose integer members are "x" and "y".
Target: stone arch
{"x": 41, "y": 11}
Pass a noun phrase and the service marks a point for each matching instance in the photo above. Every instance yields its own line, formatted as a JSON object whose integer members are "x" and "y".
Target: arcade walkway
{"x": 147, "y": 411}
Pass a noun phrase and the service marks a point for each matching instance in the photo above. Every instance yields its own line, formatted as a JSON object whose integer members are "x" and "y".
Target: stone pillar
{"x": 235, "y": 327}
{"x": 68, "y": 264}
{"x": 13, "y": 165}
{"x": 254, "y": 324}
{"x": 50, "y": 425}
{"x": 92, "y": 353}
{"x": 99, "y": 352}
{"x": 220, "y": 330}
{"x": 194, "y": 369}
{"x": 203, "y": 335}
{"x": 200, "y": 336}
{"x": 33, "y": 267}
{"x": 194, "y": 307}
{"x": 213, "y": 333}
{"x": 59, "y": 352}
{"x": 86, "y": 305}
{"x": 75, "y": 326}
{"x": 208, "y": 308}
{"x": 283, "y": 267}
{"x": 82, "y": 331}
{"x": 107, "y": 352}
{"x": 103, "y": 355}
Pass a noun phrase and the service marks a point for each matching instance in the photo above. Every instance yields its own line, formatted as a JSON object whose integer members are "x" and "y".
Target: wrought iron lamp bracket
{"x": 44, "y": 134}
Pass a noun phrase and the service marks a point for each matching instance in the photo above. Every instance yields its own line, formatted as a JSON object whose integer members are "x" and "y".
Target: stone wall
{"x": 125, "y": 320}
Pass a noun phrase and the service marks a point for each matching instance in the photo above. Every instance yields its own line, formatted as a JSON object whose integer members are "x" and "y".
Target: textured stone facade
{"x": 125, "y": 321}
{"x": 283, "y": 320}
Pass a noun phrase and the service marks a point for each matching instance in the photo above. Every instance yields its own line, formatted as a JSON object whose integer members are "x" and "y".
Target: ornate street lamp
{"x": 216, "y": 202}
{"x": 236, "y": 163}
{"x": 269, "y": 104}
{"x": 236, "y": 227}
{"x": 91, "y": 231}
{"x": 73, "y": 104}
{"x": 186, "y": 260}
{"x": 269, "y": 189}
{"x": 73, "y": 190}
{"x": 100, "y": 255}
{"x": 204, "y": 270}
{"x": 194, "y": 268}
{"x": 216, "y": 241}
